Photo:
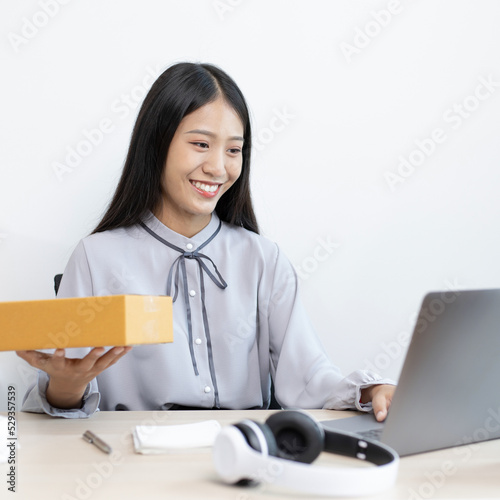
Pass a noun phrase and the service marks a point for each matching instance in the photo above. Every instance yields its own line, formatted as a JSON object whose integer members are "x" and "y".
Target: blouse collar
{"x": 180, "y": 240}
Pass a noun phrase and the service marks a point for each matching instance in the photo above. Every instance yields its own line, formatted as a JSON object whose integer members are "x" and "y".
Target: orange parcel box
{"x": 114, "y": 320}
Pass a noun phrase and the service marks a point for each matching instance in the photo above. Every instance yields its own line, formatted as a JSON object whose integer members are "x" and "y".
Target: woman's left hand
{"x": 381, "y": 398}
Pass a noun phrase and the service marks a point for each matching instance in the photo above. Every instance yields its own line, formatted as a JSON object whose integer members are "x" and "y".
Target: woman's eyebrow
{"x": 211, "y": 134}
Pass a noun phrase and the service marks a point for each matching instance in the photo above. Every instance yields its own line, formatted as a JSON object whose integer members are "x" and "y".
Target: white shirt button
{"x": 192, "y": 293}
{"x": 207, "y": 389}
{"x": 189, "y": 246}
{"x": 197, "y": 341}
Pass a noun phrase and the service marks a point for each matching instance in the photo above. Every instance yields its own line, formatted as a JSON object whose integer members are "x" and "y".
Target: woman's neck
{"x": 187, "y": 226}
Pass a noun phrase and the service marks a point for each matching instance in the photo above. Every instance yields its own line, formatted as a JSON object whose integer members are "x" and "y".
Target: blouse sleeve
{"x": 76, "y": 282}
{"x": 303, "y": 375}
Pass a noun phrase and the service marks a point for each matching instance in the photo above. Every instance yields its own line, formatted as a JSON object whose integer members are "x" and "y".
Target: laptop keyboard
{"x": 374, "y": 434}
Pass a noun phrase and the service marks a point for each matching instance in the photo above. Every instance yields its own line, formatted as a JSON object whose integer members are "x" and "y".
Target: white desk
{"x": 55, "y": 463}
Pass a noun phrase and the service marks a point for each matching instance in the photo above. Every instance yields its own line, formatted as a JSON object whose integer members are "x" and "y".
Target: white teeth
{"x": 206, "y": 187}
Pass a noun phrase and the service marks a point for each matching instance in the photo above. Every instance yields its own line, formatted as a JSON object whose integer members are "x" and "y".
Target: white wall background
{"x": 359, "y": 83}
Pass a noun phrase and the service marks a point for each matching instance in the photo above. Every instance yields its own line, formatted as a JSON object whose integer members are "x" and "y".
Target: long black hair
{"x": 178, "y": 91}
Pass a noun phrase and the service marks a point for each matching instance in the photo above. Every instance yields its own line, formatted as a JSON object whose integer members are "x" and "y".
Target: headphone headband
{"x": 235, "y": 460}
{"x": 351, "y": 445}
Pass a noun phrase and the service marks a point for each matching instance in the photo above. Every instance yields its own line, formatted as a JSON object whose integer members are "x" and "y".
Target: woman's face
{"x": 204, "y": 160}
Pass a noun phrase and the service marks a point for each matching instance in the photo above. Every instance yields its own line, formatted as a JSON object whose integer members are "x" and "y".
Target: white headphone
{"x": 279, "y": 452}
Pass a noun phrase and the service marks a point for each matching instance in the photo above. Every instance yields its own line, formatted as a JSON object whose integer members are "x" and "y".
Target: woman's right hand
{"x": 69, "y": 377}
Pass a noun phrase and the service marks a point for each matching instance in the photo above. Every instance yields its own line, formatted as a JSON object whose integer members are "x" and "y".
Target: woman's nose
{"x": 215, "y": 164}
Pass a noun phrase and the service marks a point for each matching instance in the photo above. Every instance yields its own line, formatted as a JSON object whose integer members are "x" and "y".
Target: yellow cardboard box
{"x": 114, "y": 320}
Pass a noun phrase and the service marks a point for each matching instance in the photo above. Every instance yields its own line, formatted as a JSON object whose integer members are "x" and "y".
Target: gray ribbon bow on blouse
{"x": 218, "y": 280}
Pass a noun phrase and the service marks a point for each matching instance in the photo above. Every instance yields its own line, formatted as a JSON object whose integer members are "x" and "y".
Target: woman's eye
{"x": 200, "y": 144}
{"x": 235, "y": 151}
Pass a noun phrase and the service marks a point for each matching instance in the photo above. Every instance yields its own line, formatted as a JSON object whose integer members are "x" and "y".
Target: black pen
{"x": 90, "y": 437}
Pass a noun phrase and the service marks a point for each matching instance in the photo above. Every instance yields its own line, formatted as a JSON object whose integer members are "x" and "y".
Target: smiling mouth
{"x": 205, "y": 188}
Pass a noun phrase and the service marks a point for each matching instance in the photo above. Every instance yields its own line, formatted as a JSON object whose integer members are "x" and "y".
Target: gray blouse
{"x": 238, "y": 320}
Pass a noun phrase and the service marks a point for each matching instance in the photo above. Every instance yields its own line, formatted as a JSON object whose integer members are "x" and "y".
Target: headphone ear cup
{"x": 298, "y": 437}
{"x": 251, "y": 437}
{"x": 250, "y": 430}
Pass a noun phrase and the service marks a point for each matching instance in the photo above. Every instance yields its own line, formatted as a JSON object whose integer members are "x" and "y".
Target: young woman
{"x": 181, "y": 223}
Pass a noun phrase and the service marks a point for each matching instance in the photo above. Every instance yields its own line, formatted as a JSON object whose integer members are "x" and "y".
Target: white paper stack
{"x": 3, "y": 440}
{"x": 156, "y": 439}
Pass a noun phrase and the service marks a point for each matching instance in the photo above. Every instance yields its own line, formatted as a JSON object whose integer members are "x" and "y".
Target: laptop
{"x": 449, "y": 389}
